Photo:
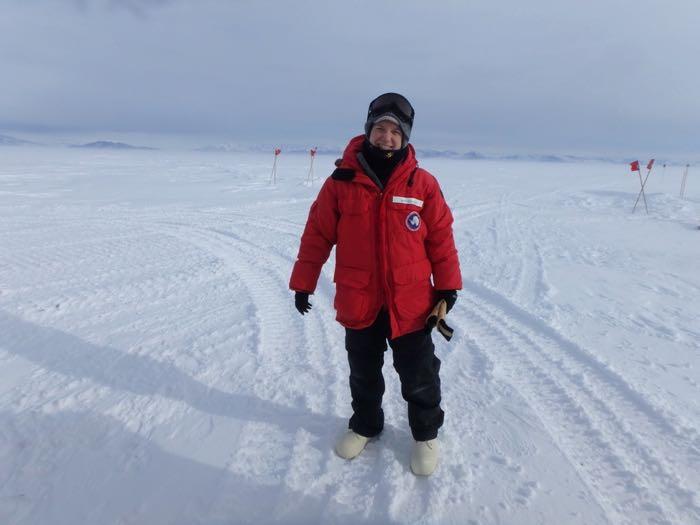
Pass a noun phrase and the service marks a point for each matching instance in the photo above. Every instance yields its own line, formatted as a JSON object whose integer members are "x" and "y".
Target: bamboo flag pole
{"x": 273, "y": 173}
{"x": 310, "y": 176}
{"x": 650, "y": 165}
{"x": 683, "y": 182}
{"x": 635, "y": 167}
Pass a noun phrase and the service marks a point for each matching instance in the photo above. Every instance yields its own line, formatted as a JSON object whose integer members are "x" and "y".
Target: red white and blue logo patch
{"x": 413, "y": 221}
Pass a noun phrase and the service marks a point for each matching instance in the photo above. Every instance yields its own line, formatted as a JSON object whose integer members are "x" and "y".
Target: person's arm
{"x": 317, "y": 240}
{"x": 439, "y": 243}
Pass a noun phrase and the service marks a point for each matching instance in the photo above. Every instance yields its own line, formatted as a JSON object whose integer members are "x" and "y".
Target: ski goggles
{"x": 392, "y": 103}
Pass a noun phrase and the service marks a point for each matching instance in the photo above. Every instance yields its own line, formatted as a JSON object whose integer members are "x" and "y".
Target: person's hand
{"x": 437, "y": 316}
{"x": 450, "y": 297}
{"x": 301, "y": 301}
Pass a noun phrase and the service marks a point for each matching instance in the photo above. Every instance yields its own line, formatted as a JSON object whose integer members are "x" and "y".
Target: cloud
{"x": 138, "y": 8}
{"x": 540, "y": 75}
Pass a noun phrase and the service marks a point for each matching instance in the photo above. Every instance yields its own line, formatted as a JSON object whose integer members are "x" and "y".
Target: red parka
{"x": 388, "y": 244}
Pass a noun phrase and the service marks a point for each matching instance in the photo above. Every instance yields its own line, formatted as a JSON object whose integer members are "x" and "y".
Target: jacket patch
{"x": 343, "y": 174}
{"x": 413, "y": 221}
{"x": 407, "y": 200}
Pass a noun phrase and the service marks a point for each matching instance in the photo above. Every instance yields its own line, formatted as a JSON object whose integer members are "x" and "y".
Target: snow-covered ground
{"x": 154, "y": 370}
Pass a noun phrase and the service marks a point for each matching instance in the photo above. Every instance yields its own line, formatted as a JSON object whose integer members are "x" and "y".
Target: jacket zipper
{"x": 378, "y": 250}
{"x": 388, "y": 298}
{"x": 385, "y": 291}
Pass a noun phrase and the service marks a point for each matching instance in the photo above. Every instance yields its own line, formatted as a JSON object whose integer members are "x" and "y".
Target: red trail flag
{"x": 634, "y": 166}
{"x": 650, "y": 164}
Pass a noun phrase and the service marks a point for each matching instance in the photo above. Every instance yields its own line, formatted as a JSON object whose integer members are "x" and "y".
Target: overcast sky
{"x": 543, "y": 76}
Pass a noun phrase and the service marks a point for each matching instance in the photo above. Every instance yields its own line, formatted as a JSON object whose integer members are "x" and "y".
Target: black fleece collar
{"x": 382, "y": 162}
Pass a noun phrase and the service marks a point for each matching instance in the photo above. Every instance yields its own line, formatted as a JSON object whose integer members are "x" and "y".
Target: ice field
{"x": 153, "y": 368}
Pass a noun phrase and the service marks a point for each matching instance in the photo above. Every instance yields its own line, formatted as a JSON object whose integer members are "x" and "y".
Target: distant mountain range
{"x": 6, "y": 140}
{"x": 106, "y": 144}
{"x": 422, "y": 153}
{"x": 475, "y": 155}
{"x": 265, "y": 148}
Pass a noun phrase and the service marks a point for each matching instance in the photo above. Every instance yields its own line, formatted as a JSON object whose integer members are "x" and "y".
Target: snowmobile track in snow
{"x": 305, "y": 341}
{"x": 599, "y": 422}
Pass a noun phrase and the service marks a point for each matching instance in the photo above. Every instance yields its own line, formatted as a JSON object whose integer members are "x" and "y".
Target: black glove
{"x": 301, "y": 301}
{"x": 450, "y": 297}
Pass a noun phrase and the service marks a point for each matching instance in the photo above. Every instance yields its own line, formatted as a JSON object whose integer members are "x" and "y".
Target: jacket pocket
{"x": 351, "y": 294}
{"x": 405, "y": 219}
{"x": 356, "y": 206}
{"x": 413, "y": 291}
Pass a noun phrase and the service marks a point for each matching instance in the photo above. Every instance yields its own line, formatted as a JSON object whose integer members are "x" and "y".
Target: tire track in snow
{"x": 322, "y": 317}
{"x": 314, "y": 350}
{"x": 528, "y": 282}
{"x": 268, "y": 382}
{"x": 277, "y": 225}
{"x": 257, "y": 282}
{"x": 516, "y": 266}
{"x": 529, "y": 285}
{"x": 97, "y": 254}
{"x": 598, "y": 421}
{"x": 88, "y": 304}
{"x": 327, "y": 353}
{"x": 317, "y": 347}
{"x": 265, "y": 273}
{"x": 473, "y": 211}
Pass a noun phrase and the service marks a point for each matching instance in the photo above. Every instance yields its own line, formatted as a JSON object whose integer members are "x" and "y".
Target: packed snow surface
{"x": 153, "y": 368}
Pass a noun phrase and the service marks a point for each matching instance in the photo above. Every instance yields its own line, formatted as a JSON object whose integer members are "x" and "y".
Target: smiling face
{"x": 386, "y": 135}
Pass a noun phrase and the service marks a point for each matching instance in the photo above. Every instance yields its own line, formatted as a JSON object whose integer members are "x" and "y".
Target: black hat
{"x": 394, "y": 108}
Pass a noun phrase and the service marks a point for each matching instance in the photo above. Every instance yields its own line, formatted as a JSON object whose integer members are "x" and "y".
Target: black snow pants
{"x": 418, "y": 368}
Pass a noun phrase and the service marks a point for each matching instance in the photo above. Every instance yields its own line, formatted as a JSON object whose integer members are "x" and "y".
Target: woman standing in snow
{"x": 392, "y": 230}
